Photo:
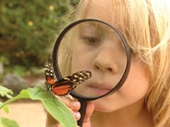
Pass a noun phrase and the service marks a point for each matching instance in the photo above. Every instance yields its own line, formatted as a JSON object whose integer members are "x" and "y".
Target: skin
{"x": 124, "y": 108}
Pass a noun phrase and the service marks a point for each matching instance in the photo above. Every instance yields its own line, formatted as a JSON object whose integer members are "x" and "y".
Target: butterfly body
{"x": 65, "y": 85}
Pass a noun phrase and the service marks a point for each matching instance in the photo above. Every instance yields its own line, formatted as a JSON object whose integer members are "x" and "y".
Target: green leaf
{"x": 4, "y": 92}
{"x": 52, "y": 104}
{"x": 4, "y": 122}
{"x": 5, "y": 108}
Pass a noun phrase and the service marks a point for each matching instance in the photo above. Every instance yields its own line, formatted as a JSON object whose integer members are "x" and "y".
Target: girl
{"x": 144, "y": 98}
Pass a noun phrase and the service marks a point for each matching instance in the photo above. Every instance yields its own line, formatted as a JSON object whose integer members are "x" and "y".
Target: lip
{"x": 100, "y": 89}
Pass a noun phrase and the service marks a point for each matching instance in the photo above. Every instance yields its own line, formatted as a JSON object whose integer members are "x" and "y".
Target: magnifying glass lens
{"x": 97, "y": 47}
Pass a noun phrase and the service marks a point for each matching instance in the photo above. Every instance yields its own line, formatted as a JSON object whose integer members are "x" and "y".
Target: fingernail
{"x": 77, "y": 115}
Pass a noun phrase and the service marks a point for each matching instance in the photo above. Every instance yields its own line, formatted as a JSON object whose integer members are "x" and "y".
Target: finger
{"x": 71, "y": 102}
{"x": 73, "y": 105}
{"x": 88, "y": 113}
{"x": 66, "y": 100}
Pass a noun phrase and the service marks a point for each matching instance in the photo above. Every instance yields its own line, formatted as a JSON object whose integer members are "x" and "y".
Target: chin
{"x": 103, "y": 106}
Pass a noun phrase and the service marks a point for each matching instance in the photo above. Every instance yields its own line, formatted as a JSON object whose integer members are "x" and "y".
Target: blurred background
{"x": 28, "y": 30}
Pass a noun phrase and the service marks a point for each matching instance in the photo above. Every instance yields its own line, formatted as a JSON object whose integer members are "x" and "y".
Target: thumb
{"x": 89, "y": 110}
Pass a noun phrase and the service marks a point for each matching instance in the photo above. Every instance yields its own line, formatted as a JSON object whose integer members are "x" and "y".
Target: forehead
{"x": 105, "y": 10}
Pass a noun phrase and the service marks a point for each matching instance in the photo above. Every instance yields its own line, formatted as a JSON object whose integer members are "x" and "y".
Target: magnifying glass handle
{"x": 82, "y": 111}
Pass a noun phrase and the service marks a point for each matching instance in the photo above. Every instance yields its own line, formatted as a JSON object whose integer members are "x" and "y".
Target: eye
{"x": 91, "y": 40}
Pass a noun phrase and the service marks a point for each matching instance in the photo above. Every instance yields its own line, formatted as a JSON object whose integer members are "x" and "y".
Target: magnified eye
{"x": 91, "y": 40}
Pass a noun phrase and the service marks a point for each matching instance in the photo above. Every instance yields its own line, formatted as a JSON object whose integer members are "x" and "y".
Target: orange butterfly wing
{"x": 62, "y": 90}
{"x": 64, "y": 86}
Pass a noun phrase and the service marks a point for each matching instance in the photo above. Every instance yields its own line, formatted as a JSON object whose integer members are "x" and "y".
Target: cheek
{"x": 137, "y": 83}
{"x": 77, "y": 61}
{"x": 81, "y": 61}
{"x": 133, "y": 90}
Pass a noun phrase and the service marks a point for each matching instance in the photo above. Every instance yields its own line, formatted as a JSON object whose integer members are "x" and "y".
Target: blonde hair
{"x": 146, "y": 26}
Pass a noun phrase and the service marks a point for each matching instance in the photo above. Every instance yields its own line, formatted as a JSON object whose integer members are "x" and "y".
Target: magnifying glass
{"x": 79, "y": 41}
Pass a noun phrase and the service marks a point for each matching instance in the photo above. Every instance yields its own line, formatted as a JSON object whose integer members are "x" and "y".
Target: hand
{"x": 74, "y": 106}
{"x": 88, "y": 113}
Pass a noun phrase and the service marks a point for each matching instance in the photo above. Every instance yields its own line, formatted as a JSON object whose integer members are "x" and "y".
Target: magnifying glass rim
{"x": 55, "y": 58}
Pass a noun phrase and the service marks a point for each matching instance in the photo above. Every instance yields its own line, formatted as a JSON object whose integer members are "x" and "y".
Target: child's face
{"x": 107, "y": 63}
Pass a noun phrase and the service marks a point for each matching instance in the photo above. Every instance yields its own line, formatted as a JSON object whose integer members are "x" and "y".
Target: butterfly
{"x": 65, "y": 85}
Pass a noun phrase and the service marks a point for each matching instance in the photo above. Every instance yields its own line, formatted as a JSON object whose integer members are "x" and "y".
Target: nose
{"x": 105, "y": 61}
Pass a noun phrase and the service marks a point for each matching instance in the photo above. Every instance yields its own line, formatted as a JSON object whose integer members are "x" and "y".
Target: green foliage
{"x": 4, "y": 92}
{"x": 4, "y": 122}
{"x": 29, "y": 29}
{"x": 52, "y": 104}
